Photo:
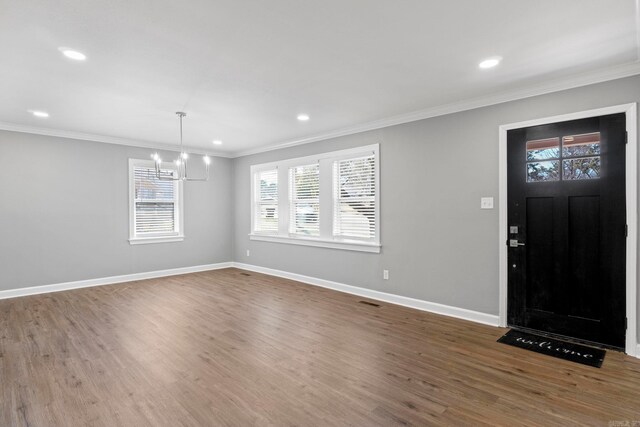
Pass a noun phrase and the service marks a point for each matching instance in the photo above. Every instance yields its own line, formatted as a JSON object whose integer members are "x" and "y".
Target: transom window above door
{"x": 567, "y": 158}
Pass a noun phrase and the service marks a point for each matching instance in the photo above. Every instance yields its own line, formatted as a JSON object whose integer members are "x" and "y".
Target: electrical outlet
{"x": 385, "y": 274}
{"x": 248, "y": 253}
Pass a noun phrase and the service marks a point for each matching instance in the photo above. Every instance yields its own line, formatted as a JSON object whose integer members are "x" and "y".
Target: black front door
{"x": 567, "y": 229}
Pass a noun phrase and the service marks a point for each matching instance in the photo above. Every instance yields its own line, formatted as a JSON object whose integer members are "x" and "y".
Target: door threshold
{"x": 566, "y": 338}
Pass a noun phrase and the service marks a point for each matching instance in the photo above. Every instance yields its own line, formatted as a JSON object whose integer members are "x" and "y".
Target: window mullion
{"x": 326, "y": 199}
{"x": 177, "y": 207}
{"x": 283, "y": 201}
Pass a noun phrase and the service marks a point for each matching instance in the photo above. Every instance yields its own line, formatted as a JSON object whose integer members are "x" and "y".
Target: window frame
{"x": 294, "y": 199}
{"x": 326, "y": 239}
{"x": 146, "y": 238}
{"x": 562, "y": 158}
{"x": 338, "y": 199}
{"x": 256, "y": 202}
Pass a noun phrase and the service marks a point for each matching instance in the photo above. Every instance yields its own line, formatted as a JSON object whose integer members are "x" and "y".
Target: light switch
{"x": 486, "y": 203}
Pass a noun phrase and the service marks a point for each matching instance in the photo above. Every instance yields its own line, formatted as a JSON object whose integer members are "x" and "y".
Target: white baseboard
{"x": 20, "y": 292}
{"x": 432, "y": 307}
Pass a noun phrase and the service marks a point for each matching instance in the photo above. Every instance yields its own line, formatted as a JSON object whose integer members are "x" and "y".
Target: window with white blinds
{"x": 266, "y": 204}
{"x": 354, "y": 189}
{"x": 304, "y": 208}
{"x": 155, "y": 203}
{"x": 331, "y": 200}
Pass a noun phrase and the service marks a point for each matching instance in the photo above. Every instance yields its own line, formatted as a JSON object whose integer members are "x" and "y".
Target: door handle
{"x": 513, "y": 243}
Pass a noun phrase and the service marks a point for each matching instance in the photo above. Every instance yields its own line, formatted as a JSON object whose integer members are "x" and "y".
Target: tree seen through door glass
{"x": 579, "y": 156}
{"x": 583, "y": 152}
{"x": 547, "y": 167}
{"x": 543, "y": 171}
{"x": 543, "y": 149}
{"x": 584, "y": 168}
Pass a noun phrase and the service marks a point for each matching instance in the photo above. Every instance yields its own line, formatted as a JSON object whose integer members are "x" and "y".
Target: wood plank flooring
{"x": 230, "y": 347}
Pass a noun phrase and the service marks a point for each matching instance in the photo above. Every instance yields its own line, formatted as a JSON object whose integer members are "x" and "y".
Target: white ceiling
{"x": 243, "y": 69}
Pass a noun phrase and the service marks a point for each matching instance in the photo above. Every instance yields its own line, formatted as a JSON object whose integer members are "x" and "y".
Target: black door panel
{"x": 566, "y": 195}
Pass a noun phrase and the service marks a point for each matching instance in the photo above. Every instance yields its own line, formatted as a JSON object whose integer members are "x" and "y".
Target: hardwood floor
{"x": 230, "y": 347}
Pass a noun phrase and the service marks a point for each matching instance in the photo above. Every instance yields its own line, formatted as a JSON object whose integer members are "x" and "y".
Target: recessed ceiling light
{"x": 303, "y": 117}
{"x": 490, "y": 62}
{"x": 42, "y": 114}
{"x": 73, "y": 54}
{"x": 217, "y": 142}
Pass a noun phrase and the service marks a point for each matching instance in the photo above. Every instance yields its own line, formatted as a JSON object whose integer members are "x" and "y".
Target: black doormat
{"x": 556, "y": 348}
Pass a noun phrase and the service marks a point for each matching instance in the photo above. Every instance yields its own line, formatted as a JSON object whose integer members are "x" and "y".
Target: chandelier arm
{"x": 206, "y": 176}
{"x": 181, "y": 163}
{"x": 160, "y": 177}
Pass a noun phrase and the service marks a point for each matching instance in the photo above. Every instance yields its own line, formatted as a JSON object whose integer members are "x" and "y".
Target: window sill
{"x": 161, "y": 239}
{"x": 320, "y": 243}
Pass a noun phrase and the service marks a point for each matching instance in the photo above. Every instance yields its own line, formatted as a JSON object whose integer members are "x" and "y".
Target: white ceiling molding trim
{"x": 244, "y": 73}
{"x": 600, "y": 76}
{"x": 59, "y": 133}
{"x": 585, "y": 79}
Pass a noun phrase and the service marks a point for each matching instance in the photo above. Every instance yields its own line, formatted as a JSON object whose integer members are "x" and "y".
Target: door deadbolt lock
{"x": 513, "y": 243}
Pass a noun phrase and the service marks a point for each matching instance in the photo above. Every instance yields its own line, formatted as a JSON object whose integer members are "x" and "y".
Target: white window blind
{"x": 304, "y": 191}
{"x": 329, "y": 200}
{"x": 354, "y": 205}
{"x": 155, "y": 202}
{"x": 266, "y": 211}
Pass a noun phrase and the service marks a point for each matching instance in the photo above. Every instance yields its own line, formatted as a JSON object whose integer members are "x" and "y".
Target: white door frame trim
{"x": 630, "y": 110}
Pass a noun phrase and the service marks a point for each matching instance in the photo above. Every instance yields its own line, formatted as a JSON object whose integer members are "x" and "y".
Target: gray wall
{"x": 64, "y": 207}
{"x": 446, "y": 249}
{"x": 65, "y": 213}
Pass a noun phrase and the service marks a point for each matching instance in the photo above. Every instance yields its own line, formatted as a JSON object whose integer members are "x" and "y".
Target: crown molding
{"x": 59, "y": 133}
{"x": 585, "y": 79}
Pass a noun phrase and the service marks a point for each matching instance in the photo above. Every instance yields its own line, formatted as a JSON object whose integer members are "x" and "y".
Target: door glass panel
{"x": 579, "y": 156}
{"x": 583, "y": 168}
{"x": 543, "y": 149}
{"x": 587, "y": 144}
{"x": 587, "y": 148}
{"x": 543, "y": 171}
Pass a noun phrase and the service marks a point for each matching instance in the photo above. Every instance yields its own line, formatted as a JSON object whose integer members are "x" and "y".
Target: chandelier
{"x": 181, "y": 162}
